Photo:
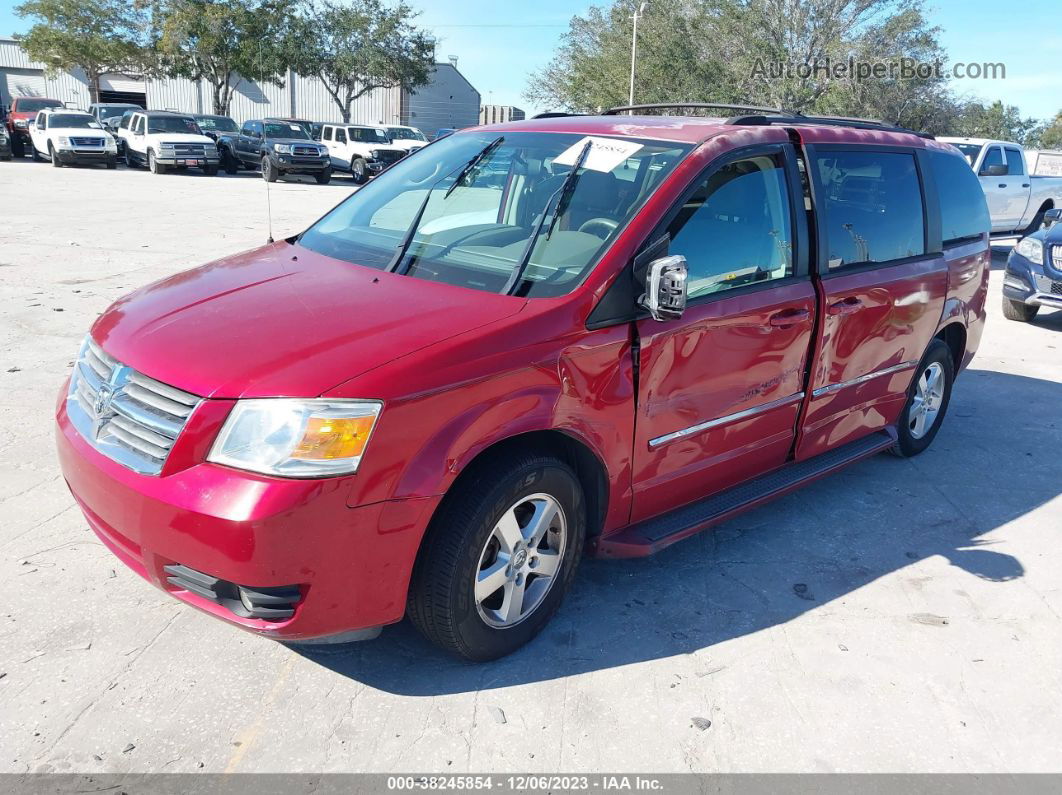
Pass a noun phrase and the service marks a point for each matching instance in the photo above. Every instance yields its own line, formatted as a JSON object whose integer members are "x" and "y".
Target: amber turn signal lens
{"x": 334, "y": 437}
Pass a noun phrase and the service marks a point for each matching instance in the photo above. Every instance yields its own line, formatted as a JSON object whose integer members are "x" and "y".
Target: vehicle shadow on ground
{"x": 989, "y": 465}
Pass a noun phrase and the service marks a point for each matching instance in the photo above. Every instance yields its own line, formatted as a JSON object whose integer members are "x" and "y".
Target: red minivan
{"x": 522, "y": 342}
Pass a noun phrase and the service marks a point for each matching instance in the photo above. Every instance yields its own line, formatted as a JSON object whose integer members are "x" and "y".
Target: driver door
{"x": 720, "y": 388}
{"x": 39, "y": 133}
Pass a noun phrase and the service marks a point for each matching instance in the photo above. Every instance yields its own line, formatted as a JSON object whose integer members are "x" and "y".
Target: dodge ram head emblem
{"x": 103, "y": 400}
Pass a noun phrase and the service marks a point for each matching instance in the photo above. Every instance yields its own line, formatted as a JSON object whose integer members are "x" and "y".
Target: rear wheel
{"x": 1037, "y": 221}
{"x": 499, "y": 556}
{"x": 927, "y": 401}
{"x": 1019, "y": 310}
{"x": 359, "y": 170}
{"x": 210, "y": 171}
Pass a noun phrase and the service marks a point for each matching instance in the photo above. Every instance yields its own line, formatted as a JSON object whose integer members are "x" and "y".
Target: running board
{"x": 652, "y": 535}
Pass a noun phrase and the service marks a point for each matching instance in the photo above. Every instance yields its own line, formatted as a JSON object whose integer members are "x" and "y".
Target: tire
{"x": 1019, "y": 311}
{"x": 269, "y": 171}
{"x": 210, "y": 171}
{"x": 35, "y": 155}
{"x": 359, "y": 170}
{"x": 464, "y": 540}
{"x": 1036, "y": 223}
{"x": 154, "y": 166}
{"x": 323, "y": 177}
{"x": 112, "y": 163}
{"x": 56, "y": 162}
{"x": 18, "y": 148}
{"x": 229, "y": 163}
{"x": 934, "y": 377}
{"x": 130, "y": 161}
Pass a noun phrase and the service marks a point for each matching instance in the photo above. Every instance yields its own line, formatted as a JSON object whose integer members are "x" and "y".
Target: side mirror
{"x": 665, "y": 288}
{"x": 997, "y": 170}
{"x": 1052, "y": 217}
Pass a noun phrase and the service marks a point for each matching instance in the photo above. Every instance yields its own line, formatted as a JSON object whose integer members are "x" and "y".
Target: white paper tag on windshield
{"x": 605, "y": 153}
{"x": 295, "y": 127}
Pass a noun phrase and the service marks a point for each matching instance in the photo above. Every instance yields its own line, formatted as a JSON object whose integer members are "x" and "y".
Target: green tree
{"x": 225, "y": 42}
{"x": 96, "y": 36}
{"x": 1050, "y": 135}
{"x": 998, "y": 121}
{"x": 361, "y": 46}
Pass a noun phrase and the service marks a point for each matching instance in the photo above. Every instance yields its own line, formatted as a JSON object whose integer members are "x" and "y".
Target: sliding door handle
{"x": 845, "y": 307}
{"x": 789, "y": 317}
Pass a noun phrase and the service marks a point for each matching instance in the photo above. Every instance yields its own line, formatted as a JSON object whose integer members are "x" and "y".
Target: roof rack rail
{"x": 555, "y": 114}
{"x": 662, "y": 105}
{"x": 838, "y": 121}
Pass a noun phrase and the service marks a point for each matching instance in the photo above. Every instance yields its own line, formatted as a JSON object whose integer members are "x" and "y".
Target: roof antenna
{"x": 269, "y": 214}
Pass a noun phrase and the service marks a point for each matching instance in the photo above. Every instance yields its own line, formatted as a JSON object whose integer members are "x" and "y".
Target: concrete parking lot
{"x": 901, "y": 616}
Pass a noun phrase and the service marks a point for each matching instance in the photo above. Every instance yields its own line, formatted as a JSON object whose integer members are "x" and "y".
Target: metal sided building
{"x": 448, "y": 100}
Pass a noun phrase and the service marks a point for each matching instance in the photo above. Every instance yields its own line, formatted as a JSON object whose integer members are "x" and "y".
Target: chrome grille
{"x": 1056, "y": 257}
{"x": 186, "y": 149}
{"x": 388, "y": 156}
{"x": 305, "y": 151}
{"x": 87, "y": 141}
{"x": 127, "y": 416}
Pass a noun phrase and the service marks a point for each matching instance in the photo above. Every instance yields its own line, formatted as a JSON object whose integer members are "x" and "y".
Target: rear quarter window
{"x": 963, "y": 211}
{"x": 873, "y": 206}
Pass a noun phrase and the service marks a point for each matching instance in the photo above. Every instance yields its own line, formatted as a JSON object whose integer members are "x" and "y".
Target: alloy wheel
{"x": 926, "y": 401}
{"x": 520, "y": 561}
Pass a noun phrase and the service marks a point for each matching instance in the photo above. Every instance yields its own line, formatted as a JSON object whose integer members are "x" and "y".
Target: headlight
{"x": 282, "y": 149}
{"x": 64, "y": 142}
{"x": 109, "y": 144}
{"x": 22, "y": 123}
{"x": 296, "y": 438}
{"x": 1032, "y": 249}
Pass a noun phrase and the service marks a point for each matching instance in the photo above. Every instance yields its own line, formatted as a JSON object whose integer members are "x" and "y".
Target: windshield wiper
{"x": 471, "y": 164}
{"x": 407, "y": 238}
{"x": 563, "y": 195}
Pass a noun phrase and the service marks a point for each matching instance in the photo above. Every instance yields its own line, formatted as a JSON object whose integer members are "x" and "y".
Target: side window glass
{"x": 872, "y": 207}
{"x": 963, "y": 211}
{"x": 736, "y": 228}
{"x": 341, "y": 136}
{"x": 327, "y": 134}
{"x": 1015, "y": 167}
{"x": 993, "y": 157}
{"x": 247, "y": 130}
{"x": 42, "y": 121}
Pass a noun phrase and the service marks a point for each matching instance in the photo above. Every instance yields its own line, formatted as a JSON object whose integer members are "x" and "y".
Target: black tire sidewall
{"x": 476, "y": 639}
{"x": 906, "y": 444}
{"x": 363, "y": 177}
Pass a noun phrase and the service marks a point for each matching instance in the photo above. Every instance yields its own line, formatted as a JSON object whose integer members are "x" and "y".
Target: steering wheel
{"x": 606, "y": 224}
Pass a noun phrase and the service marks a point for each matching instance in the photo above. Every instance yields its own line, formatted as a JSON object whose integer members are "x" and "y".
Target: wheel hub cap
{"x": 926, "y": 401}
{"x": 520, "y": 560}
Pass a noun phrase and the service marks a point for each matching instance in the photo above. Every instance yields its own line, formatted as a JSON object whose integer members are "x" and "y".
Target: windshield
{"x": 405, "y": 134}
{"x": 475, "y": 235}
{"x": 292, "y": 130}
{"x": 78, "y": 121}
{"x": 110, "y": 112}
{"x": 217, "y": 123}
{"x": 970, "y": 151}
{"x": 23, "y": 105}
{"x": 368, "y": 135}
{"x": 173, "y": 124}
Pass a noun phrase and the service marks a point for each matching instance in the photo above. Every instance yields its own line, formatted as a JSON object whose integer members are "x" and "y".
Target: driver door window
{"x": 736, "y": 228}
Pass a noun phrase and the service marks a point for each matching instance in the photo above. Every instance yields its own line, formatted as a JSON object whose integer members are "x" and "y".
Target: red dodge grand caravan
{"x": 522, "y": 342}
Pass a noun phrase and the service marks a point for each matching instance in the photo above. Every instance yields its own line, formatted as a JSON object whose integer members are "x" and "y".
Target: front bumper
{"x": 290, "y": 164}
{"x": 169, "y": 159}
{"x": 75, "y": 156}
{"x": 1032, "y": 284}
{"x": 350, "y": 566}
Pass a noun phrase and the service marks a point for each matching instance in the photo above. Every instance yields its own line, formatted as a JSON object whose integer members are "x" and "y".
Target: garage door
{"x": 122, "y": 84}
{"x": 22, "y": 83}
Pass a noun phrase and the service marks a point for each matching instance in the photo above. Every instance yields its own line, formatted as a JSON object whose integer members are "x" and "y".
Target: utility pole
{"x": 638, "y": 13}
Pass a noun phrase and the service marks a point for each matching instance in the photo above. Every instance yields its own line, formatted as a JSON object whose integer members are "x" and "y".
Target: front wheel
{"x": 55, "y": 157}
{"x": 112, "y": 163}
{"x": 1019, "y": 310}
{"x": 323, "y": 177}
{"x": 130, "y": 161}
{"x": 499, "y": 556}
{"x": 359, "y": 170}
{"x": 269, "y": 171}
{"x": 210, "y": 171}
{"x": 927, "y": 401}
{"x": 229, "y": 162}
{"x": 35, "y": 155}
{"x": 154, "y": 166}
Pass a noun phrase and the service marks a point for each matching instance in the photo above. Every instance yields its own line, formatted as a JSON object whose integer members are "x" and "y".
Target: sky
{"x": 499, "y": 45}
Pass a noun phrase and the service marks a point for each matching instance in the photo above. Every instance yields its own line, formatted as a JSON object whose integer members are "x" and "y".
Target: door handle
{"x": 845, "y": 307}
{"x": 1001, "y": 185}
{"x": 789, "y": 317}
{"x": 1025, "y": 185}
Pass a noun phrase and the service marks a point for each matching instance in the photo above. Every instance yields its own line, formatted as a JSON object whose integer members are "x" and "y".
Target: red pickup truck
{"x": 520, "y": 343}
{"x": 22, "y": 113}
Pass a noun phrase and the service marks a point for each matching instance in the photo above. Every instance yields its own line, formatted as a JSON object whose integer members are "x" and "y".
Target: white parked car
{"x": 68, "y": 137}
{"x": 408, "y": 138}
{"x": 162, "y": 140}
{"x": 362, "y": 150}
{"x": 1017, "y": 201}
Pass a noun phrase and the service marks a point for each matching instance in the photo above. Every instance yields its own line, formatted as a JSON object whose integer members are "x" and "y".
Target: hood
{"x": 302, "y": 141}
{"x": 81, "y": 132}
{"x": 283, "y": 321}
{"x": 405, "y": 144}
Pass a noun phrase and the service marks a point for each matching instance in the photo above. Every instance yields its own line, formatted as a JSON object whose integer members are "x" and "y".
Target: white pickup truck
{"x": 1016, "y": 201}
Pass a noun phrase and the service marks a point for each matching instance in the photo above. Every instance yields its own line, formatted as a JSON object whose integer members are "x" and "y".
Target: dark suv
{"x": 276, "y": 146}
